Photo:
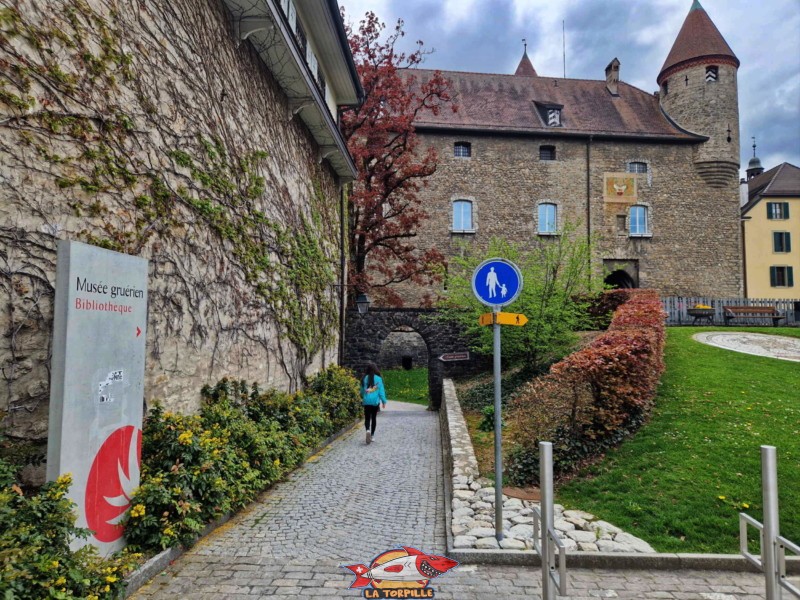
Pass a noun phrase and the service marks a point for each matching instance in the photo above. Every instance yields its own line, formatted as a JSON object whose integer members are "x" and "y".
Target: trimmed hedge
{"x": 593, "y": 398}
{"x": 197, "y": 468}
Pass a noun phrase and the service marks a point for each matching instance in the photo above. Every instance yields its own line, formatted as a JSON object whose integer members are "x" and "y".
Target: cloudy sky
{"x": 486, "y": 36}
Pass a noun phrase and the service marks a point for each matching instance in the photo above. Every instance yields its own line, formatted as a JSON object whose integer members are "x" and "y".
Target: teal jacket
{"x": 374, "y": 397}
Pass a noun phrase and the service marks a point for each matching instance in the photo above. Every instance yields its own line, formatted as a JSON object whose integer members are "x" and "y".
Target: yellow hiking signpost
{"x": 503, "y": 318}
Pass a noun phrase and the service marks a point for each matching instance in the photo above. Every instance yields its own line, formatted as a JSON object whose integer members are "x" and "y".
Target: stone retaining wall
{"x": 472, "y": 506}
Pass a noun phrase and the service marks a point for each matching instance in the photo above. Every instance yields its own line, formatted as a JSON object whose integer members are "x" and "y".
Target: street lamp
{"x": 362, "y": 303}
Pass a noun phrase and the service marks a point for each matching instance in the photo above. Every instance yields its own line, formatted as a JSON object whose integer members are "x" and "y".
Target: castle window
{"x": 639, "y": 225}
{"x": 637, "y": 167}
{"x": 462, "y": 149}
{"x": 778, "y": 211}
{"x": 547, "y": 152}
{"x": 781, "y": 277}
{"x": 712, "y": 74}
{"x": 781, "y": 241}
{"x": 553, "y": 117}
{"x": 462, "y": 215}
{"x": 547, "y": 213}
{"x": 665, "y": 87}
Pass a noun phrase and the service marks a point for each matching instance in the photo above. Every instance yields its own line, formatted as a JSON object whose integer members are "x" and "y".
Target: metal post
{"x": 546, "y": 492}
{"x": 498, "y": 445}
{"x": 769, "y": 487}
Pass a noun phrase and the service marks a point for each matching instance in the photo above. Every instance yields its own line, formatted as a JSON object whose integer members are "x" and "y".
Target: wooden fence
{"x": 675, "y": 307}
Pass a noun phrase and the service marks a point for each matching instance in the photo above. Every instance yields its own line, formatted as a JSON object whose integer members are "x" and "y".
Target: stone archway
{"x": 364, "y": 337}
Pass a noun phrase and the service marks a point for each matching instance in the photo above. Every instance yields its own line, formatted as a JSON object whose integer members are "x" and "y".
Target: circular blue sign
{"x": 496, "y": 282}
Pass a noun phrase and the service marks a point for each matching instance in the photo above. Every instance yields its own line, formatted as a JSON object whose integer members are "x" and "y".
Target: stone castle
{"x": 653, "y": 178}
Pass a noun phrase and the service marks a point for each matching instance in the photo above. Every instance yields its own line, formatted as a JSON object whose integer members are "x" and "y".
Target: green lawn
{"x": 407, "y": 386}
{"x": 680, "y": 482}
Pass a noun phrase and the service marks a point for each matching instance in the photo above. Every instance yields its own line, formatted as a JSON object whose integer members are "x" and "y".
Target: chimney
{"x": 612, "y": 77}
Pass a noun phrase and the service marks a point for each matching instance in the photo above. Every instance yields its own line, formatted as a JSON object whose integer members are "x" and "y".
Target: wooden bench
{"x": 751, "y": 312}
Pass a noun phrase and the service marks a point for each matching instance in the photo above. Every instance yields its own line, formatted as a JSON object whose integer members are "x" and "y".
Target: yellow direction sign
{"x": 503, "y": 318}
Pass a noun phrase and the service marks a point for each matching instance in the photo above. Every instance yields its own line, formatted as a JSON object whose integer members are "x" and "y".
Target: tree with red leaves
{"x": 384, "y": 209}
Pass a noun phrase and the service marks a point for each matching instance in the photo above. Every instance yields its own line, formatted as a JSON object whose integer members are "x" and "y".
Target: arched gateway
{"x": 364, "y": 336}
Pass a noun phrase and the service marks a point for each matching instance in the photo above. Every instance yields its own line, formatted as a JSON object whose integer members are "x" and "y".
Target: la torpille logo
{"x": 112, "y": 479}
{"x": 401, "y": 573}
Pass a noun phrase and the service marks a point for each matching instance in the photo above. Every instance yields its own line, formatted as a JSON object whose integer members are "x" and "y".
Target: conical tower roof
{"x": 698, "y": 38}
{"x": 525, "y": 68}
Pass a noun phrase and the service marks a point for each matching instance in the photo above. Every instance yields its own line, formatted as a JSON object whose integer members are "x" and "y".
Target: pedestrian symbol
{"x": 496, "y": 282}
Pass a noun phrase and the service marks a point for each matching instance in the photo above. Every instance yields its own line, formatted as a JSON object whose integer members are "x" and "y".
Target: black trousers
{"x": 370, "y": 417}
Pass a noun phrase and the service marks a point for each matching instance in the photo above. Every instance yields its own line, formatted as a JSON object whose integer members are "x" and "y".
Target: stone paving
{"x": 758, "y": 344}
{"x": 352, "y": 502}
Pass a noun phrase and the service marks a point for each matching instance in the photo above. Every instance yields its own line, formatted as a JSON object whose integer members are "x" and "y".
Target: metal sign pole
{"x": 546, "y": 492}
{"x": 498, "y": 423}
{"x": 769, "y": 484}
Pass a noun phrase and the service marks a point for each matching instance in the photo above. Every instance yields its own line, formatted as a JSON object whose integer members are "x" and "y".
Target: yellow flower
{"x": 61, "y": 581}
{"x": 54, "y": 564}
{"x": 169, "y": 531}
{"x": 721, "y": 497}
{"x": 185, "y": 438}
{"x": 65, "y": 479}
{"x": 745, "y": 505}
{"x": 107, "y": 588}
{"x": 277, "y": 462}
{"x": 92, "y": 597}
{"x": 137, "y": 511}
{"x": 111, "y": 579}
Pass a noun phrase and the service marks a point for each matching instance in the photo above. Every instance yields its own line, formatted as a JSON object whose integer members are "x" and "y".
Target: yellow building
{"x": 771, "y": 233}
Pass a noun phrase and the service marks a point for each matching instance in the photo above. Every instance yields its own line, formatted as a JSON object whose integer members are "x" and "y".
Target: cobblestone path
{"x": 352, "y": 502}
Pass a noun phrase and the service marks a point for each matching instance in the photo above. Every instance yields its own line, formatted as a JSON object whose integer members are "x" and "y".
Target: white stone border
{"x": 471, "y": 514}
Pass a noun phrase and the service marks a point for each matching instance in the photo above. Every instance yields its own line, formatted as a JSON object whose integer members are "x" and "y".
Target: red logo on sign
{"x": 114, "y": 476}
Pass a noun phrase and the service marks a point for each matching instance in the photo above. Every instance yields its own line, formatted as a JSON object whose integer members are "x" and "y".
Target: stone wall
{"x": 148, "y": 129}
{"x": 695, "y": 243}
{"x": 365, "y": 335}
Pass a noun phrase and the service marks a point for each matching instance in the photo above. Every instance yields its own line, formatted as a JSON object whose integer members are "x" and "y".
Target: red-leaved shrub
{"x": 594, "y": 397}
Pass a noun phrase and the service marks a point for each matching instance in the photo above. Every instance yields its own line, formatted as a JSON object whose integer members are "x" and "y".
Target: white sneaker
{"x": 369, "y": 438}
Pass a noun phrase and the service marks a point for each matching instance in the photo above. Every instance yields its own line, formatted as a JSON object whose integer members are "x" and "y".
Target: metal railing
{"x": 545, "y": 538}
{"x": 771, "y": 559}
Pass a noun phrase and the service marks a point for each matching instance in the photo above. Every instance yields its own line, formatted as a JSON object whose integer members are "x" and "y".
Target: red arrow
{"x": 138, "y": 332}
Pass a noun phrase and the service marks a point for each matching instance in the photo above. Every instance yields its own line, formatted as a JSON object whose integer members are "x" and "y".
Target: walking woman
{"x": 372, "y": 395}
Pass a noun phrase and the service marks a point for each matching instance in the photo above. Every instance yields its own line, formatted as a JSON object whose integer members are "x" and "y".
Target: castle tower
{"x": 525, "y": 67}
{"x": 699, "y": 93}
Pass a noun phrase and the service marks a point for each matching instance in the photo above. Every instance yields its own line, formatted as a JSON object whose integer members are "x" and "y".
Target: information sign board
{"x": 97, "y": 384}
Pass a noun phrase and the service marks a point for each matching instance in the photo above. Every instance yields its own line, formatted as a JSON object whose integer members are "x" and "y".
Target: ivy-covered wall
{"x": 144, "y": 127}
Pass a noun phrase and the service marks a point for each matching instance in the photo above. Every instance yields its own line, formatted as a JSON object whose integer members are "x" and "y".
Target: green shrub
{"x": 197, "y": 468}
{"x": 338, "y": 391}
{"x": 35, "y": 557}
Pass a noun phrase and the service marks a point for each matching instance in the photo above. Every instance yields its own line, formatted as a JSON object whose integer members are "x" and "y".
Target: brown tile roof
{"x": 698, "y": 37}
{"x": 508, "y": 103}
{"x": 783, "y": 180}
{"x": 525, "y": 67}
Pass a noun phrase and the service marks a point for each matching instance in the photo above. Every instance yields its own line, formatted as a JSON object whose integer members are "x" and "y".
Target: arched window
{"x": 639, "y": 222}
{"x": 462, "y": 149}
{"x": 548, "y": 218}
{"x": 637, "y": 167}
{"x": 462, "y": 215}
{"x": 547, "y": 152}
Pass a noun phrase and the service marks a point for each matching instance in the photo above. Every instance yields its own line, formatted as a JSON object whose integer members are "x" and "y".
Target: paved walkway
{"x": 352, "y": 502}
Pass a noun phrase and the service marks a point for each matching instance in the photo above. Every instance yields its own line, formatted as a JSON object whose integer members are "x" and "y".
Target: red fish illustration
{"x": 415, "y": 566}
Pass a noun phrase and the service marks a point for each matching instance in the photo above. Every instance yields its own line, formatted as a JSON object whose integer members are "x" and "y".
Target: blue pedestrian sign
{"x": 496, "y": 282}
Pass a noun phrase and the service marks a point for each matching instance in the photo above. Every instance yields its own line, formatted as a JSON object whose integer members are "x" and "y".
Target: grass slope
{"x": 407, "y": 386}
{"x": 680, "y": 482}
